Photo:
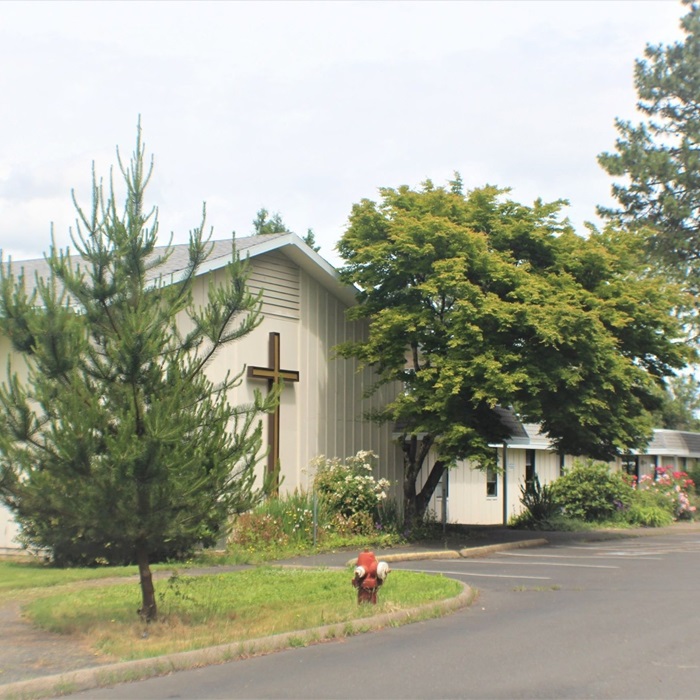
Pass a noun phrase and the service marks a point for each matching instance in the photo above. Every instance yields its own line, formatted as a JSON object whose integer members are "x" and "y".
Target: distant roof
{"x": 674, "y": 442}
{"x": 249, "y": 246}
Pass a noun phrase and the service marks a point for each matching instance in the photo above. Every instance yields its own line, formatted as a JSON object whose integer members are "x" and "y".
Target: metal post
{"x": 315, "y": 516}
{"x": 505, "y": 483}
{"x": 445, "y": 489}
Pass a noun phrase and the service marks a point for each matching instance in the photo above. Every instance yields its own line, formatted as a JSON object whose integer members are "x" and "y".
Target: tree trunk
{"x": 149, "y": 609}
{"x": 414, "y": 504}
{"x": 426, "y": 493}
{"x": 409, "y": 502}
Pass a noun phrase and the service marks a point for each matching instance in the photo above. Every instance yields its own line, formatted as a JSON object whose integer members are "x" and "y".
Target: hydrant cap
{"x": 368, "y": 561}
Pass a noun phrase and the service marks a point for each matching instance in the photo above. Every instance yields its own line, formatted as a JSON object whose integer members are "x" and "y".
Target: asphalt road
{"x": 615, "y": 619}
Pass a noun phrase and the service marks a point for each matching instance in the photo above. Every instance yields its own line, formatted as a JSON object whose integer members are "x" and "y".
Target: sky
{"x": 306, "y": 108}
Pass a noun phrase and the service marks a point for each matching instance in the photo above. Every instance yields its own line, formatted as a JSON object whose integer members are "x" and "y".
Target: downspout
{"x": 505, "y": 483}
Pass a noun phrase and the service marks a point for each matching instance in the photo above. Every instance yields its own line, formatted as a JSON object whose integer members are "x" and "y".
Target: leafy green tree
{"x": 475, "y": 302}
{"x": 658, "y": 159}
{"x": 681, "y": 404}
{"x": 119, "y": 447}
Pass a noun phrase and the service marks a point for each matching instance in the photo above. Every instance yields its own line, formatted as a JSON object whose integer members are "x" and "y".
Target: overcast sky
{"x": 307, "y": 107}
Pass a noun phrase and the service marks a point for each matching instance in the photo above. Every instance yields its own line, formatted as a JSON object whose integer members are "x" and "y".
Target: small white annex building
{"x": 490, "y": 497}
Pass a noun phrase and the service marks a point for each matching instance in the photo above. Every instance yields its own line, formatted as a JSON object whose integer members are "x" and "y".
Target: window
{"x": 491, "y": 482}
{"x": 529, "y": 467}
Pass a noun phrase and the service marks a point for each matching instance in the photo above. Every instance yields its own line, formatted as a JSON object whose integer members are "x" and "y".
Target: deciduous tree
{"x": 475, "y": 302}
{"x": 119, "y": 447}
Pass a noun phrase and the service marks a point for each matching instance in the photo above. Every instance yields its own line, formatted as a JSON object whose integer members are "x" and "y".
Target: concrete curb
{"x": 467, "y": 553}
{"x": 471, "y": 552}
{"x": 141, "y": 669}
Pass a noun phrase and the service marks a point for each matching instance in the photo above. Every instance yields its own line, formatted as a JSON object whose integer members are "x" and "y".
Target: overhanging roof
{"x": 174, "y": 268}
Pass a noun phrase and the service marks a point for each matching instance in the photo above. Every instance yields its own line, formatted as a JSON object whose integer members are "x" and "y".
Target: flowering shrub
{"x": 672, "y": 488}
{"x": 350, "y": 491}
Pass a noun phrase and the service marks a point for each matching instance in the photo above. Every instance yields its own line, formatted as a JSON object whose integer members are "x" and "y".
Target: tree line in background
{"x": 120, "y": 447}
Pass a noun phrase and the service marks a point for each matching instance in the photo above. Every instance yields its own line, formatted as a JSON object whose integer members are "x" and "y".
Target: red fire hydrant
{"x": 370, "y": 574}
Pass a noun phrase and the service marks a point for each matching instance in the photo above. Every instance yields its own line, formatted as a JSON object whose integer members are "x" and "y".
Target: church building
{"x": 322, "y": 401}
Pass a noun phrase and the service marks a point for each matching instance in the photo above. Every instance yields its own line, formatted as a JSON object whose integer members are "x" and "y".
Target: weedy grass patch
{"x": 201, "y": 611}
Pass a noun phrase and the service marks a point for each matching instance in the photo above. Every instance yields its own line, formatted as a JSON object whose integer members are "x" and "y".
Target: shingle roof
{"x": 289, "y": 243}
{"x": 675, "y": 442}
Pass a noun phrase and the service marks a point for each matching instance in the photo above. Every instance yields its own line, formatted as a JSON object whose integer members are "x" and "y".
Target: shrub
{"x": 350, "y": 492}
{"x": 538, "y": 501}
{"x": 671, "y": 490}
{"x": 694, "y": 474}
{"x": 257, "y": 531}
{"x": 641, "y": 515}
{"x": 592, "y": 492}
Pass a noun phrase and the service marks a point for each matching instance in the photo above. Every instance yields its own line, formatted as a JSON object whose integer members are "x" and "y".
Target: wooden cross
{"x": 273, "y": 374}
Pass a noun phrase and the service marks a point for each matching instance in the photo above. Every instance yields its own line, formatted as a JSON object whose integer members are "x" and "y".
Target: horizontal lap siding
{"x": 279, "y": 280}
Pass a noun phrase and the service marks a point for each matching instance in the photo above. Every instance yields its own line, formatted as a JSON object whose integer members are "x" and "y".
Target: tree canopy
{"x": 658, "y": 159}
{"x": 477, "y": 303}
{"x": 119, "y": 447}
{"x": 680, "y": 405}
{"x": 264, "y": 224}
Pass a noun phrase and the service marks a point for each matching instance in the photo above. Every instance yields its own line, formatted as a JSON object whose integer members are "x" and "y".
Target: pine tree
{"x": 659, "y": 158}
{"x": 119, "y": 447}
{"x": 264, "y": 224}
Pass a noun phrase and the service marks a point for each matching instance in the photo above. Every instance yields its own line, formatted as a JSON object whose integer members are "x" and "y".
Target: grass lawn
{"x": 20, "y": 575}
{"x": 201, "y": 611}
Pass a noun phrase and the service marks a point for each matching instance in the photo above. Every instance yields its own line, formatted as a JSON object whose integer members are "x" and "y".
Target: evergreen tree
{"x": 119, "y": 447}
{"x": 659, "y": 158}
{"x": 264, "y": 224}
{"x": 681, "y": 404}
{"x": 310, "y": 240}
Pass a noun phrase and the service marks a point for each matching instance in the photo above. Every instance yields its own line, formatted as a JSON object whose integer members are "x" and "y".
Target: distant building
{"x": 489, "y": 497}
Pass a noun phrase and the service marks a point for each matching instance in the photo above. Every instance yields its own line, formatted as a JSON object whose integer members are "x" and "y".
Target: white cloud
{"x": 306, "y": 107}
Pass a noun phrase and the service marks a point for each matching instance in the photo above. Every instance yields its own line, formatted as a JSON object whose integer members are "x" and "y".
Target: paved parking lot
{"x": 611, "y": 619}
{"x": 559, "y": 566}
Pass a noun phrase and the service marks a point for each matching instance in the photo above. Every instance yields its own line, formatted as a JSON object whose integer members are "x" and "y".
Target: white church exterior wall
{"x": 322, "y": 413}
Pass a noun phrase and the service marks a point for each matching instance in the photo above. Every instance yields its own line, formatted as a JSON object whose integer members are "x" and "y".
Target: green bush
{"x": 694, "y": 474}
{"x": 592, "y": 492}
{"x": 350, "y": 492}
{"x": 538, "y": 502}
{"x": 284, "y": 525}
{"x": 640, "y": 515}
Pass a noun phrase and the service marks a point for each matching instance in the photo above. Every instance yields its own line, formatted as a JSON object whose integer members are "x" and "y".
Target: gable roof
{"x": 174, "y": 268}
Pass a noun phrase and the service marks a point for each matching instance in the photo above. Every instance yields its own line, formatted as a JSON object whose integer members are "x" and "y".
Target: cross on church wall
{"x": 273, "y": 374}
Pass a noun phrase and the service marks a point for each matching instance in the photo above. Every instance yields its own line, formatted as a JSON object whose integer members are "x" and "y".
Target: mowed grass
{"x": 201, "y": 611}
{"x": 22, "y": 575}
